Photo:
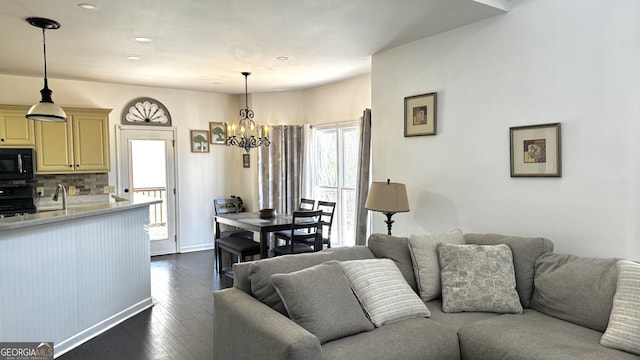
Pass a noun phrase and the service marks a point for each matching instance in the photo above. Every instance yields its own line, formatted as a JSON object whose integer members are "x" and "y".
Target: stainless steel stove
{"x": 16, "y": 200}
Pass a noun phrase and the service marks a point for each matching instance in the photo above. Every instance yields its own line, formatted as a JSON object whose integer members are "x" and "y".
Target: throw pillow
{"x": 525, "y": 251}
{"x": 623, "y": 331}
{"x": 383, "y": 292}
{"x": 320, "y": 300}
{"x": 478, "y": 278}
{"x": 397, "y": 249}
{"x": 260, "y": 271}
{"x": 425, "y": 261}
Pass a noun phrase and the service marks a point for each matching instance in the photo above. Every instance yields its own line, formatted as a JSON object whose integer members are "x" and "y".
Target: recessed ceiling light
{"x": 133, "y": 57}
{"x": 143, "y": 39}
{"x": 282, "y": 58}
{"x": 87, "y": 6}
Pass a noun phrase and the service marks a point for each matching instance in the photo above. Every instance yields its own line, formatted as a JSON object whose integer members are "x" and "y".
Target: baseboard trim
{"x": 80, "y": 338}
{"x": 193, "y": 248}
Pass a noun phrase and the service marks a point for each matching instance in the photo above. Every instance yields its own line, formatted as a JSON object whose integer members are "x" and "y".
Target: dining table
{"x": 252, "y": 221}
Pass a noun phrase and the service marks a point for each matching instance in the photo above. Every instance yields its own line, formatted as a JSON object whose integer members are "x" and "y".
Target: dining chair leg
{"x": 218, "y": 259}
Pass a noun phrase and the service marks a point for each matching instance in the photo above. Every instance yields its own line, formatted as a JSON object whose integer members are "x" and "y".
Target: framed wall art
{"x": 420, "y": 114}
{"x": 536, "y": 150}
{"x": 200, "y": 141}
{"x": 246, "y": 161}
{"x": 218, "y": 132}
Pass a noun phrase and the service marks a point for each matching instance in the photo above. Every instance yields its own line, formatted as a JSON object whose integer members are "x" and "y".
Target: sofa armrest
{"x": 245, "y": 328}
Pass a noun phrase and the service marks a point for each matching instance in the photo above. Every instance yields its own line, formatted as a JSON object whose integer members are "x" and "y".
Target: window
{"x": 335, "y": 153}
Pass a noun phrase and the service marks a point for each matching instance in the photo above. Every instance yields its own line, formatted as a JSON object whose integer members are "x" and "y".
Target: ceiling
{"x": 204, "y": 44}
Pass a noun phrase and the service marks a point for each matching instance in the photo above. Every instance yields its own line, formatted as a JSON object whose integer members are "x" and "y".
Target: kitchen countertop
{"x": 75, "y": 211}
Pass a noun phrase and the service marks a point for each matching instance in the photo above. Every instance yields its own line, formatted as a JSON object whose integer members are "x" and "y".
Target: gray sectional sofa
{"x": 565, "y": 306}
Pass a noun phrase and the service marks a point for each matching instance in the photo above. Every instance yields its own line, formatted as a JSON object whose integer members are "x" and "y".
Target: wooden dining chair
{"x": 305, "y": 205}
{"x": 305, "y": 228}
{"x": 229, "y": 206}
{"x": 326, "y": 220}
{"x": 328, "y": 209}
{"x": 234, "y": 241}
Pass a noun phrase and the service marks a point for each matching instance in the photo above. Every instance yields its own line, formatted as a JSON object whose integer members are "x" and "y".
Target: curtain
{"x": 362, "y": 187}
{"x": 308, "y": 164}
{"x": 280, "y": 168}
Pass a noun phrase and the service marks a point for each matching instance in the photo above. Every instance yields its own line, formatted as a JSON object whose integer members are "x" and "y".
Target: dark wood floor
{"x": 178, "y": 326}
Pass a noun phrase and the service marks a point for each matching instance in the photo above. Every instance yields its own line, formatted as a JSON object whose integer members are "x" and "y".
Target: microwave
{"x": 16, "y": 164}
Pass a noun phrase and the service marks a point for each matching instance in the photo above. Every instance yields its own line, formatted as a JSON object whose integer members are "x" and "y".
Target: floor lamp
{"x": 388, "y": 198}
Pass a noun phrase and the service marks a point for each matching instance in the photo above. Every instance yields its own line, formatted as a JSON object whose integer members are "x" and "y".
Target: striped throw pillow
{"x": 382, "y": 291}
{"x": 623, "y": 330}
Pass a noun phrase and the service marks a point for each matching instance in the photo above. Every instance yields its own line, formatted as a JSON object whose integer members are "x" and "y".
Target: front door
{"x": 147, "y": 167}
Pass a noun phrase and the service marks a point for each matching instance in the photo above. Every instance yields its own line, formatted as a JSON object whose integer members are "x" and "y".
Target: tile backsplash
{"x": 86, "y": 184}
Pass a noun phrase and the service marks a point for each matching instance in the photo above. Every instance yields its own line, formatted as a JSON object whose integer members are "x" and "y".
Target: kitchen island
{"x": 69, "y": 275}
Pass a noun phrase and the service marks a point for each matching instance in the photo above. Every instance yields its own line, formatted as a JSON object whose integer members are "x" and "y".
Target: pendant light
{"x": 45, "y": 110}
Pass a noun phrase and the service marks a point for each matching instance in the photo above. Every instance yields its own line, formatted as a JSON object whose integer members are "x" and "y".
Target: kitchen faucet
{"x": 64, "y": 196}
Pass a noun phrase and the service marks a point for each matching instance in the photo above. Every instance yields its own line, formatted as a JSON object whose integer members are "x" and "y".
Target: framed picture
{"x": 218, "y": 132}
{"x": 535, "y": 150}
{"x": 420, "y": 115}
{"x": 246, "y": 161}
{"x": 200, "y": 141}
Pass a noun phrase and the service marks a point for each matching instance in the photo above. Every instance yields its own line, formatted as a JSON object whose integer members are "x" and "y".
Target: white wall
{"x": 202, "y": 176}
{"x": 335, "y": 102}
{"x": 338, "y": 102}
{"x": 573, "y": 62}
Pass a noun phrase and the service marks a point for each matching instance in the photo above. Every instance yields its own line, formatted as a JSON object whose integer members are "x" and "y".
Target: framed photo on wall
{"x": 536, "y": 150}
{"x": 200, "y": 141}
{"x": 420, "y": 115}
{"x": 246, "y": 161}
{"x": 218, "y": 132}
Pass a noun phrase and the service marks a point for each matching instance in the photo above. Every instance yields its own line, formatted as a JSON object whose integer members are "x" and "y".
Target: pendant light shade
{"x": 45, "y": 110}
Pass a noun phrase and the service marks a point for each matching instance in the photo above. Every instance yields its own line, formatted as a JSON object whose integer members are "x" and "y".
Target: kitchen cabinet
{"x": 80, "y": 145}
{"x": 15, "y": 129}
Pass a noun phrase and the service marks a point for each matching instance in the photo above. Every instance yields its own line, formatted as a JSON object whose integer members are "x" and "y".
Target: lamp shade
{"x": 387, "y": 197}
{"x": 46, "y": 111}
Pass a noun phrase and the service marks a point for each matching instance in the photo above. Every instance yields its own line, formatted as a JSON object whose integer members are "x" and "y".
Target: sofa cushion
{"x": 397, "y": 249}
{"x": 575, "y": 289}
{"x": 533, "y": 336}
{"x": 320, "y": 300}
{"x": 525, "y": 251}
{"x": 478, "y": 278}
{"x": 455, "y": 320}
{"x": 424, "y": 255}
{"x": 623, "y": 330}
{"x": 381, "y": 289}
{"x": 411, "y": 339}
{"x": 260, "y": 271}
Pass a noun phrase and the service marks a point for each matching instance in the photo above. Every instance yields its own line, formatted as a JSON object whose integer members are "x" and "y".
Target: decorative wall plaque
{"x": 145, "y": 111}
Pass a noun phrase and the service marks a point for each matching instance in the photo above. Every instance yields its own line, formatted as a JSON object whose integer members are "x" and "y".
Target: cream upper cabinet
{"x": 15, "y": 129}
{"x": 79, "y": 145}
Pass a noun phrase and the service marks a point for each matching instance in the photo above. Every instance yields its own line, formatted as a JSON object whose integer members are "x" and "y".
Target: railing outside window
{"x": 157, "y": 212}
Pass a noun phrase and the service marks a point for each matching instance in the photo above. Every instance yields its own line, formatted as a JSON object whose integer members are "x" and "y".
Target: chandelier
{"x": 246, "y": 134}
